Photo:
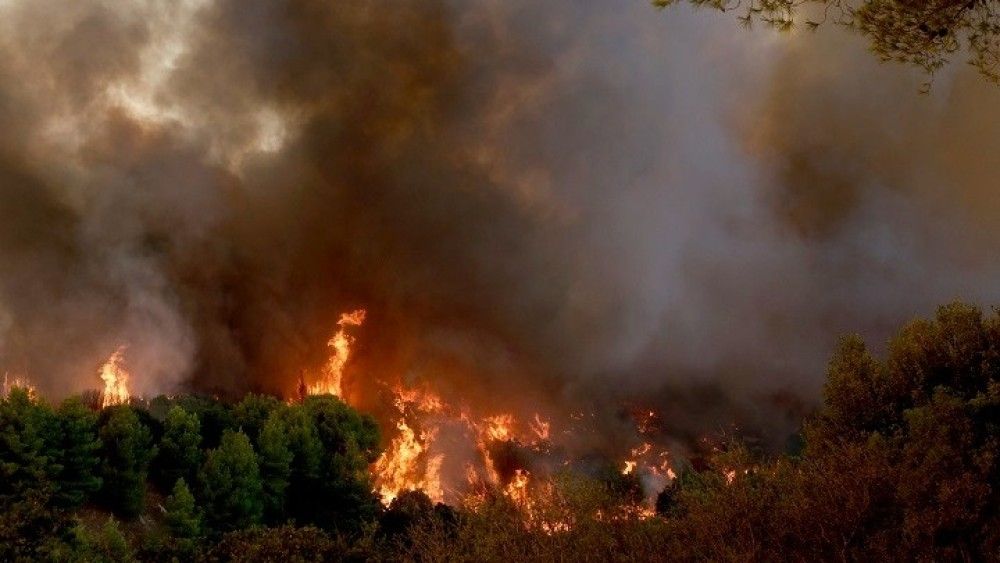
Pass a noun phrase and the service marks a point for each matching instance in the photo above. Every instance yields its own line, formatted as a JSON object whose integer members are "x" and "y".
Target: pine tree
{"x": 79, "y": 453}
{"x": 28, "y": 469}
{"x": 275, "y": 466}
{"x": 231, "y": 484}
{"x": 342, "y": 496}
{"x": 127, "y": 448}
{"x": 179, "y": 454}
{"x": 252, "y": 412}
{"x": 182, "y": 516}
{"x": 26, "y": 454}
{"x": 307, "y": 455}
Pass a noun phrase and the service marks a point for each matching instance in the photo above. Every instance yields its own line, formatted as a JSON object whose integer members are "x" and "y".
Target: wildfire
{"x": 407, "y": 464}
{"x": 413, "y": 459}
{"x": 398, "y": 469}
{"x": 540, "y": 428}
{"x": 331, "y": 377}
{"x": 115, "y": 379}
{"x": 517, "y": 489}
{"x": 16, "y": 382}
{"x": 500, "y": 428}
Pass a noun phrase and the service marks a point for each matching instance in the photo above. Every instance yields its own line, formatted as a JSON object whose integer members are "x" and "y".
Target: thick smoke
{"x": 542, "y": 205}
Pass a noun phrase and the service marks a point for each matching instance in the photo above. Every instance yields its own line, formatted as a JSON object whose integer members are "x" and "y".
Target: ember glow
{"x": 115, "y": 378}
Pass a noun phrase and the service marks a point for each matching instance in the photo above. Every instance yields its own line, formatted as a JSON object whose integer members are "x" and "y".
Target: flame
{"x": 17, "y": 382}
{"x": 413, "y": 460}
{"x": 540, "y": 428}
{"x": 398, "y": 469}
{"x": 407, "y": 465}
{"x": 331, "y": 376}
{"x": 115, "y": 379}
{"x": 517, "y": 489}
{"x": 500, "y": 428}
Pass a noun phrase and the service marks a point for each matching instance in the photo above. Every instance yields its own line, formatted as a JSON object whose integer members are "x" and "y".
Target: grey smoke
{"x": 554, "y": 205}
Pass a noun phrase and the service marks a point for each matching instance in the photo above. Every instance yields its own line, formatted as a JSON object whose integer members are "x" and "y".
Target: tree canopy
{"x": 925, "y": 33}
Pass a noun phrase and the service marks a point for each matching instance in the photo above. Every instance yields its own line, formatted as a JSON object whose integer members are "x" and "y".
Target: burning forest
{"x": 434, "y": 280}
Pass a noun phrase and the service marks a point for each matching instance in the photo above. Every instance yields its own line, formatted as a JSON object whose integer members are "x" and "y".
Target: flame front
{"x": 115, "y": 379}
{"x": 413, "y": 458}
{"x": 330, "y": 380}
{"x": 407, "y": 464}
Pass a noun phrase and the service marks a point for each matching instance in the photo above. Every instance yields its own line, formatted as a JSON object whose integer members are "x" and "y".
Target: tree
{"x": 231, "y": 485}
{"x": 127, "y": 448}
{"x": 182, "y": 516}
{"x": 179, "y": 449}
{"x": 28, "y": 456}
{"x": 275, "y": 466}
{"x": 29, "y": 470}
{"x": 921, "y": 33}
{"x": 214, "y": 416}
{"x": 900, "y": 463}
{"x": 342, "y": 498}
{"x": 307, "y": 453}
{"x": 252, "y": 412}
{"x": 108, "y": 545}
{"x": 79, "y": 457}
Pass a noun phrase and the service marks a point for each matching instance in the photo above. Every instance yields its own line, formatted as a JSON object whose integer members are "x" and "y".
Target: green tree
{"x": 127, "y": 449}
{"x": 29, "y": 468}
{"x": 79, "y": 448}
{"x": 307, "y": 453}
{"x": 28, "y": 457}
{"x": 231, "y": 486}
{"x": 275, "y": 455}
{"x": 108, "y": 545}
{"x": 252, "y": 412}
{"x": 342, "y": 497}
{"x": 182, "y": 516}
{"x": 179, "y": 449}
{"x": 215, "y": 417}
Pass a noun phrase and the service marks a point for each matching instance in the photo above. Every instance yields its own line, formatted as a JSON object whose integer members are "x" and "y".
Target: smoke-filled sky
{"x": 560, "y": 203}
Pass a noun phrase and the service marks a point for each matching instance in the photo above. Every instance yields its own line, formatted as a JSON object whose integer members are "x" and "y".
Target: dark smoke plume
{"x": 539, "y": 203}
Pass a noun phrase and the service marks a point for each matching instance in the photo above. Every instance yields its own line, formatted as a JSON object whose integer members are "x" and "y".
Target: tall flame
{"x": 331, "y": 378}
{"x": 399, "y": 468}
{"x": 407, "y": 464}
{"x": 115, "y": 379}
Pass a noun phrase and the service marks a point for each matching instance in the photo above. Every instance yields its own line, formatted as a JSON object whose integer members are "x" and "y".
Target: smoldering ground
{"x": 543, "y": 205}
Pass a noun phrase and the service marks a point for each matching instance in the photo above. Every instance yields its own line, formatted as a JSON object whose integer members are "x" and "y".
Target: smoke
{"x": 542, "y": 205}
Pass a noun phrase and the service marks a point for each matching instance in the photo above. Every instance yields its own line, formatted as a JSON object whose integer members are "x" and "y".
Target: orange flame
{"x": 413, "y": 460}
{"x": 407, "y": 465}
{"x": 17, "y": 382}
{"x": 398, "y": 469}
{"x": 500, "y": 428}
{"x": 540, "y": 428}
{"x": 115, "y": 379}
{"x": 331, "y": 377}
